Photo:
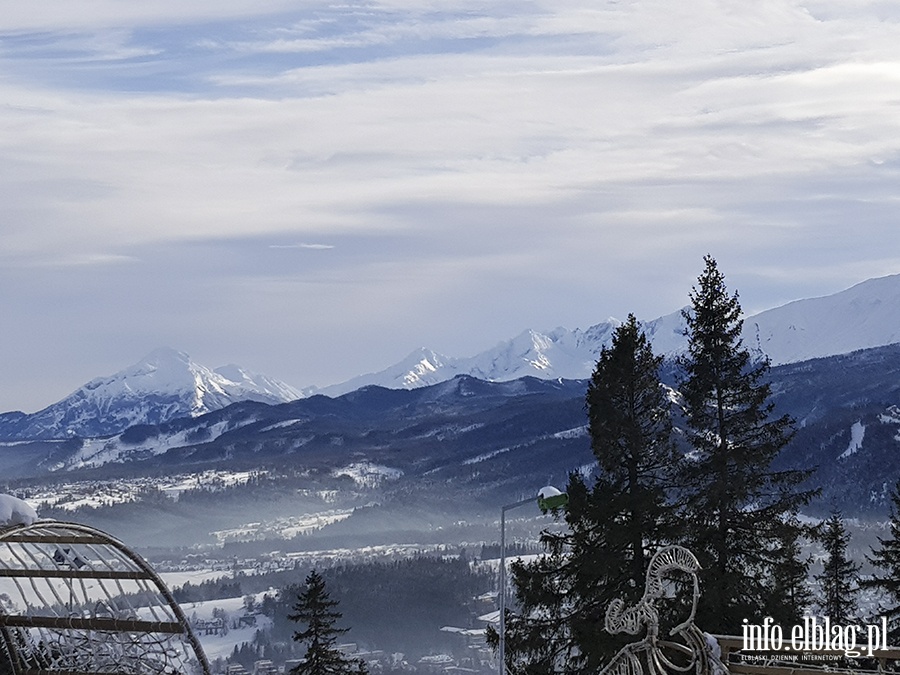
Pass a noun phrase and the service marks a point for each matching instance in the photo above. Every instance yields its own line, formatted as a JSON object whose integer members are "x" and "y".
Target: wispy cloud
{"x": 314, "y": 247}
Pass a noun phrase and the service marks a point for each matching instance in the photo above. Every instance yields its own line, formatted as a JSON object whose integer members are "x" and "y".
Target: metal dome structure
{"x": 75, "y": 601}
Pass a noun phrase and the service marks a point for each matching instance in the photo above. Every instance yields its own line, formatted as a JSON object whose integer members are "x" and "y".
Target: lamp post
{"x": 548, "y": 499}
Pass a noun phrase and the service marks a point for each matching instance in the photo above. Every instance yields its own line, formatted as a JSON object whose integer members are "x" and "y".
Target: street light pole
{"x": 502, "y": 639}
{"x": 548, "y": 498}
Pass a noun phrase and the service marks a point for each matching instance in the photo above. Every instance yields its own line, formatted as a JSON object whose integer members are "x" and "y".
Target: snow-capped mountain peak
{"x": 667, "y": 334}
{"x": 421, "y": 368}
{"x": 162, "y": 372}
{"x": 163, "y": 385}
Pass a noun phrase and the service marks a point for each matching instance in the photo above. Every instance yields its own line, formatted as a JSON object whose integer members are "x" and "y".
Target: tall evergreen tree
{"x": 887, "y": 558}
{"x": 316, "y": 610}
{"x": 738, "y": 510}
{"x": 612, "y": 525}
{"x": 631, "y": 436}
{"x": 840, "y": 575}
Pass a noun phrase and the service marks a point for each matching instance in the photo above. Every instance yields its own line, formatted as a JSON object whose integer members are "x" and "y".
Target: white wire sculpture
{"x": 75, "y": 601}
{"x": 686, "y": 650}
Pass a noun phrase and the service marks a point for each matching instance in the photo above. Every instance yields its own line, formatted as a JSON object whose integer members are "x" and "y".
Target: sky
{"x": 313, "y": 190}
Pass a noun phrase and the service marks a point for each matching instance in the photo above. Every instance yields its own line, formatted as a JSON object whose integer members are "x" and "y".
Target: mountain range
{"x": 167, "y": 384}
{"x": 466, "y": 440}
{"x": 865, "y": 315}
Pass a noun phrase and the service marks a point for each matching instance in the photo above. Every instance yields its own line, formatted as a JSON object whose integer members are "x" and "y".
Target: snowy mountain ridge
{"x": 164, "y": 385}
{"x": 167, "y": 384}
{"x": 863, "y": 316}
{"x": 560, "y": 353}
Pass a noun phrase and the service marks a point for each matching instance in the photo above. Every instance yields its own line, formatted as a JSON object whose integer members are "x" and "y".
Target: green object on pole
{"x": 550, "y": 499}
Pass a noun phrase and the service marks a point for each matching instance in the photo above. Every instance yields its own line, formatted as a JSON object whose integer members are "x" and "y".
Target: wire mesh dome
{"x": 75, "y": 601}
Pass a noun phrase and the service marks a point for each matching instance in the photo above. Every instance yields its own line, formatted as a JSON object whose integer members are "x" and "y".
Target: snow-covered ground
{"x": 282, "y": 528}
{"x": 857, "y": 434}
{"x": 577, "y": 432}
{"x": 196, "y": 577}
{"x": 222, "y": 643}
{"x": 99, "y": 451}
{"x": 92, "y": 494}
{"x": 369, "y": 475}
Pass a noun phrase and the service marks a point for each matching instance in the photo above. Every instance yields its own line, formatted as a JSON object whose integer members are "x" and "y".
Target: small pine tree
{"x": 840, "y": 575}
{"x": 791, "y": 595}
{"x": 738, "y": 511}
{"x": 538, "y": 638}
{"x": 316, "y": 610}
{"x": 887, "y": 558}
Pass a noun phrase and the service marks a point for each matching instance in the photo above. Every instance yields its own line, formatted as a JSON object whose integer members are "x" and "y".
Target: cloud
{"x": 560, "y": 162}
{"x": 315, "y": 247}
{"x": 89, "y": 259}
{"x": 91, "y": 15}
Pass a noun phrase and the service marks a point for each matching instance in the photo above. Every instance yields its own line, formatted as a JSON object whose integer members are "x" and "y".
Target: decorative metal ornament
{"x": 75, "y": 601}
{"x": 686, "y": 648}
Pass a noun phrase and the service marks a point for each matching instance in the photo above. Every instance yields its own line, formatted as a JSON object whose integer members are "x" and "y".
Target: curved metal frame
{"x": 76, "y": 601}
{"x": 688, "y": 641}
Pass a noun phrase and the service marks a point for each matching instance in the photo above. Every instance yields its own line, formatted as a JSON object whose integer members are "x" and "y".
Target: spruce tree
{"x": 316, "y": 610}
{"x": 738, "y": 510}
{"x": 840, "y": 575}
{"x": 887, "y": 558}
{"x": 631, "y": 437}
{"x": 613, "y": 525}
